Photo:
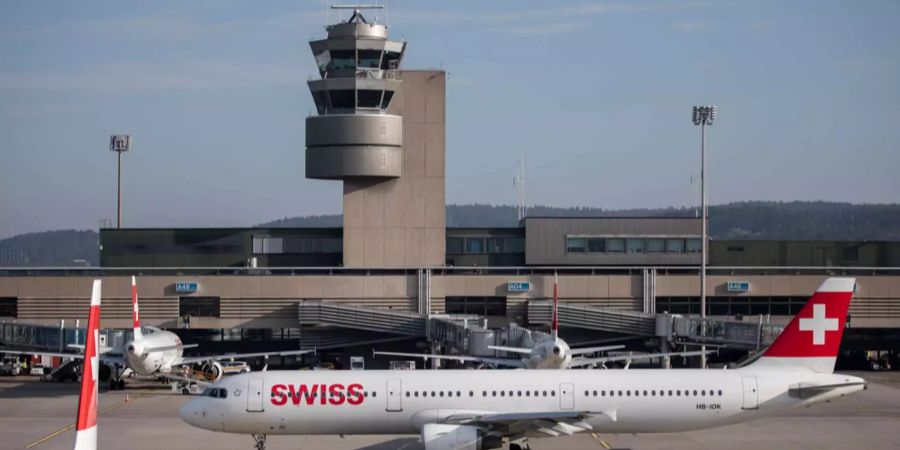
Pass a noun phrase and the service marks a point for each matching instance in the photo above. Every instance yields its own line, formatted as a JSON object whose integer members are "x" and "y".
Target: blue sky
{"x": 596, "y": 94}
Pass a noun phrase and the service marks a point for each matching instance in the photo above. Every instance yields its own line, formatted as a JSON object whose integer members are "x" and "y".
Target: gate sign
{"x": 518, "y": 286}
{"x": 738, "y": 286}
{"x": 185, "y": 287}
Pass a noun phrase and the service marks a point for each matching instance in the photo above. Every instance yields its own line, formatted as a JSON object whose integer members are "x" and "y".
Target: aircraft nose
{"x": 192, "y": 413}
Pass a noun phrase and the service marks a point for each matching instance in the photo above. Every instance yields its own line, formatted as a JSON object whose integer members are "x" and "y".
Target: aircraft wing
{"x": 199, "y": 359}
{"x": 550, "y": 423}
{"x": 581, "y": 362}
{"x": 508, "y": 362}
{"x": 583, "y": 350}
{"x": 176, "y": 377}
{"x": 510, "y": 349}
{"x": 807, "y": 390}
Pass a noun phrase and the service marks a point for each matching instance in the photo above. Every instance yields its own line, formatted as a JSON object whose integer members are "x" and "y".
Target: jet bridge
{"x": 359, "y": 318}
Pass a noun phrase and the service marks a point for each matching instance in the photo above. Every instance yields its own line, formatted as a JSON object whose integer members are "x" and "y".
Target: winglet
{"x": 86, "y": 423}
{"x": 135, "y": 312}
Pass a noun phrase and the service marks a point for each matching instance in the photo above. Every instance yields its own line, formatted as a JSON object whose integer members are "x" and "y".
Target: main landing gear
{"x": 115, "y": 377}
{"x": 519, "y": 444}
{"x": 260, "y": 441}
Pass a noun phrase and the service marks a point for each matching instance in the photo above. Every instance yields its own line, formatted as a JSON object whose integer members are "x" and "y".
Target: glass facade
{"x": 633, "y": 245}
{"x": 732, "y": 306}
{"x": 9, "y": 306}
{"x": 198, "y": 307}
{"x": 485, "y": 306}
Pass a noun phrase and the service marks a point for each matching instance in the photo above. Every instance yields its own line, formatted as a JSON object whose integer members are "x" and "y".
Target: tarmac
{"x": 40, "y": 416}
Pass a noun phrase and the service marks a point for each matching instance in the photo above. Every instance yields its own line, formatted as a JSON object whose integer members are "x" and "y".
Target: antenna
{"x": 519, "y": 184}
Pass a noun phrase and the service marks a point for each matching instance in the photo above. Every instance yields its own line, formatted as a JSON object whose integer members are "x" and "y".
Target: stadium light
{"x": 703, "y": 116}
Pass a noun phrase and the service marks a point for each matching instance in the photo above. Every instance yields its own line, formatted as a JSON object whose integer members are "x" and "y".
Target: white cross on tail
{"x": 818, "y": 324}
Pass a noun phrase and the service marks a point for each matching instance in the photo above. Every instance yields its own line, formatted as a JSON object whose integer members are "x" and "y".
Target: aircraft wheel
{"x": 121, "y": 384}
{"x": 185, "y": 391}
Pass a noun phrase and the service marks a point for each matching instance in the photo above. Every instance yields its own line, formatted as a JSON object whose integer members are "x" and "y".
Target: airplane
{"x": 549, "y": 352}
{"x": 86, "y": 420}
{"x": 471, "y": 410}
{"x": 158, "y": 352}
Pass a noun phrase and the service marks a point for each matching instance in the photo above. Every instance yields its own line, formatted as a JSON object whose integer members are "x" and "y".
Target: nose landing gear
{"x": 260, "y": 440}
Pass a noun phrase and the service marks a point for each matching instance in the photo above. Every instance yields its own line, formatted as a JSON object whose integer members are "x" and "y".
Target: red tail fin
{"x": 813, "y": 337}
{"x": 135, "y": 311}
{"x": 86, "y": 424}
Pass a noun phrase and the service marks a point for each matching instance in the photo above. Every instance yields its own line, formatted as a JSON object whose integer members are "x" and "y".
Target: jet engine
{"x": 212, "y": 371}
{"x": 436, "y": 436}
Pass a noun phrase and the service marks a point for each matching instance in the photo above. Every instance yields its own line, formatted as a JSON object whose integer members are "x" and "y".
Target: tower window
{"x": 343, "y": 59}
{"x": 369, "y": 59}
{"x": 387, "y": 99}
{"x": 343, "y": 99}
{"x": 368, "y": 98}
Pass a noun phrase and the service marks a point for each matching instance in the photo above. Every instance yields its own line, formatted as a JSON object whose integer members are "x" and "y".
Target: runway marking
{"x": 601, "y": 441}
{"x": 63, "y": 430}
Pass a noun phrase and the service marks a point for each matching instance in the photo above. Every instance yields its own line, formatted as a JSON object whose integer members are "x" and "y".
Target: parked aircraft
{"x": 465, "y": 409}
{"x": 549, "y": 352}
{"x": 158, "y": 352}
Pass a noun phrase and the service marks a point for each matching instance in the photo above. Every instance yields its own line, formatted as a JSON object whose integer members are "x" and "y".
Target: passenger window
{"x": 416, "y": 394}
{"x": 503, "y": 393}
{"x": 493, "y": 393}
{"x": 703, "y": 392}
{"x": 553, "y": 393}
{"x": 484, "y": 393}
{"x": 645, "y": 393}
{"x": 720, "y": 392}
{"x": 518, "y": 393}
{"x": 620, "y": 393}
{"x": 471, "y": 393}
{"x": 695, "y": 392}
{"x": 441, "y": 393}
{"x": 374, "y": 394}
{"x": 628, "y": 393}
{"x": 528, "y": 393}
{"x": 545, "y": 393}
{"x": 459, "y": 394}
{"x": 603, "y": 393}
{"x": 678, "y": 392}
{"x": 653, "y": 393}
{"x": 670, "y": 392}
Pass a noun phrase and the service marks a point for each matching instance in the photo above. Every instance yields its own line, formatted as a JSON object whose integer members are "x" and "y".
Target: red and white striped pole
{"x": 135, "y": 311}
{"x": 86, "y": 423}
{"x": 554, "y": 322}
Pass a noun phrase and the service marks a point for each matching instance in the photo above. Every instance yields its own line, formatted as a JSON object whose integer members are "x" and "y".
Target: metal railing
{"x": 449, "y": 271}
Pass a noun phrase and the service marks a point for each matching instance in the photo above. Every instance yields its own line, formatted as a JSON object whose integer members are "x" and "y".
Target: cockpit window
{"x": 215, "y": 393}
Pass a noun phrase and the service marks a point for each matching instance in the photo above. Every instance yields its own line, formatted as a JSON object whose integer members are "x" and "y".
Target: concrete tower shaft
{"x": 353, "y": 136}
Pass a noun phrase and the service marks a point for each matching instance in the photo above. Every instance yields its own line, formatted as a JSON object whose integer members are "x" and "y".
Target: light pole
{"x": 119, "y": 143}
{"x": 703, "y": 116}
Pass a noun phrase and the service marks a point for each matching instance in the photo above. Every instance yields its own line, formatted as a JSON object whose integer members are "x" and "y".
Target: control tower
{"x": 380, "y": 130}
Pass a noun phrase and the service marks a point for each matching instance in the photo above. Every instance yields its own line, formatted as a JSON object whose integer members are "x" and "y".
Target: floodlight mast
{"x": 119, "y": 143}
{"x": 703, "y": 116}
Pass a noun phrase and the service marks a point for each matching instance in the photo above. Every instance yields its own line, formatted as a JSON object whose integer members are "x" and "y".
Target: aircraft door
{"x": 255, "y": 395}
{"x": 751, "y": 393}
{"x": 394, "y": 402}
{"x": 566, "y": 396}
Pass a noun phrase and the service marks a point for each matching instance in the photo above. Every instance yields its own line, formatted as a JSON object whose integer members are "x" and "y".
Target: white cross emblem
{"x": 819, "y": 323}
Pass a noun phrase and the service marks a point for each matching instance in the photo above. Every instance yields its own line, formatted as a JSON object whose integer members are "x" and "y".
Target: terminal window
{"x": 483, "y": 306}
{"x": 9, "y": 306}
{"x": 198, "y": 306}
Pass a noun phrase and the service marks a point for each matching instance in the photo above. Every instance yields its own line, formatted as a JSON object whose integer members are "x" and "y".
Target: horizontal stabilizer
{"x": 804, "y": 390}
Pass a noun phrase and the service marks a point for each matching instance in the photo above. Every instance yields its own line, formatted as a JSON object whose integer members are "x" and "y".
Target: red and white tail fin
{"x": 813, "y": 337}
{"x": 135, "y": 312}
{"x": 86, "y": 423}
{"x": 554, "y": 321}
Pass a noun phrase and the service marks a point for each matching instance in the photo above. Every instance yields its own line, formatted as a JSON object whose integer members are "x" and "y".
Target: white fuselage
{"x": 147, "y": 363}
{"x": 400, "y": 402}
{"x": 549, "y": 353}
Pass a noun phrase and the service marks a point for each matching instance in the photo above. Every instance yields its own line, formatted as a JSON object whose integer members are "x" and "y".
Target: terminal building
{"x": 394, "y": 276}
